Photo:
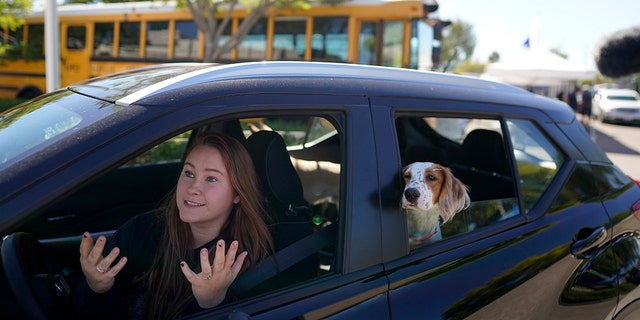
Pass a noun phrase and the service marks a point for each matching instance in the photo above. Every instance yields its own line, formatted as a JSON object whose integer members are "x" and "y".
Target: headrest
{"x": 278, "y": 177}
{"x": 484, "y": 149}
{"x": 424, "y": 154}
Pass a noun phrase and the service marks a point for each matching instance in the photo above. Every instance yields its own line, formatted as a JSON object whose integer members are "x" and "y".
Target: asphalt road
{"x": 621, "y": 143}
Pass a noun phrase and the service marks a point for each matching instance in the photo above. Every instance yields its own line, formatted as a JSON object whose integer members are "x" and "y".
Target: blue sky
{"x": 572, "y": 26}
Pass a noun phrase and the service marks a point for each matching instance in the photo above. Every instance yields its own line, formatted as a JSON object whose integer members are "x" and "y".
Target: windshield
{"x": 621, "y": 97}
{"x": 36, "y": 124}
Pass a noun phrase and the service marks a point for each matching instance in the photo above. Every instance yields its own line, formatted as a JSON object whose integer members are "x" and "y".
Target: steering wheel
{"x": 34, "y": 277}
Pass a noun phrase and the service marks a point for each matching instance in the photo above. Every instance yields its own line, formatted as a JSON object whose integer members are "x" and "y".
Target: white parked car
{"x": 617, "y": 105}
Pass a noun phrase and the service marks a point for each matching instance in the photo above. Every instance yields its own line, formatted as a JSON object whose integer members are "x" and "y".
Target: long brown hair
{"x": 168, "y": 291}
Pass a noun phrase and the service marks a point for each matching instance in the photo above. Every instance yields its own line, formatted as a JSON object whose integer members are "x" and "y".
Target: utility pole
{"x": 52, "y": 45}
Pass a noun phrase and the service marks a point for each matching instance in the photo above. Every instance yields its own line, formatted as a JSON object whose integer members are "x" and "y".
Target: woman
{"x": 172, "y": 262}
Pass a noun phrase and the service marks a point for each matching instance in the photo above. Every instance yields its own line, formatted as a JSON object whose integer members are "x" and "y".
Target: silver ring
{"x": 100, "y": 270}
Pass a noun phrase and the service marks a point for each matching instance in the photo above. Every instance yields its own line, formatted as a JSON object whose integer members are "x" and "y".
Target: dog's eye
{"x": 431, "y": 177}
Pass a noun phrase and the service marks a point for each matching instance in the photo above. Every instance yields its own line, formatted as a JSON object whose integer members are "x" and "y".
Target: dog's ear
{"x": 454, "y": 196}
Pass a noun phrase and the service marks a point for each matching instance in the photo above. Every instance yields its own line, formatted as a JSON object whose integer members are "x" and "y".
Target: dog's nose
{"x": 411, "y": 194}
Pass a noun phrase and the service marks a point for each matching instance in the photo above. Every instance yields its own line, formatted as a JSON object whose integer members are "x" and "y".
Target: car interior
{"x": 297, "y": 160}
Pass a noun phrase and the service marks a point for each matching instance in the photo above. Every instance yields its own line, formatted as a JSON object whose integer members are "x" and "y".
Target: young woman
{"x": 183, "y": 258}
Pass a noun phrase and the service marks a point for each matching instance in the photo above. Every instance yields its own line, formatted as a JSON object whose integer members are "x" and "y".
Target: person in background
{"x": 585, "y": 107}
{"x": 572, "y": 99}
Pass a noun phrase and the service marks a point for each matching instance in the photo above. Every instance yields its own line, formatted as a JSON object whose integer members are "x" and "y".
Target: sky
{"x": 573, "y": 27}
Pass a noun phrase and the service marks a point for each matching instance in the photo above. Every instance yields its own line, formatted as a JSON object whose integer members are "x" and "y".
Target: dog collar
{"x": 426, "y": 237}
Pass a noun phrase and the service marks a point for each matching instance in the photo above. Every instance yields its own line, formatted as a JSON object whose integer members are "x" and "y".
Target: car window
{"x": 314, "y": 153}
{"x": 169, "y": 150}
{"x": 537, "y": 159}
{"x": 474, "y": 150}
{"x": 312, "y": 148}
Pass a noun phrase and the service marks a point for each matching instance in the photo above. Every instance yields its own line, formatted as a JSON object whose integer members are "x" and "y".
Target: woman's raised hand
{"x": 97, "y": 270}
{"x": 210, "y": 286}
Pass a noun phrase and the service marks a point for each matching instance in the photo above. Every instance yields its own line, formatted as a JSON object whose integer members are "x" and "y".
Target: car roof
{"x": 148, "y": 82}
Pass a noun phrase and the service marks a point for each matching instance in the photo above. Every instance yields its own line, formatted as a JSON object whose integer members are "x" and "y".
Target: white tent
{"x": 538, "y": 67}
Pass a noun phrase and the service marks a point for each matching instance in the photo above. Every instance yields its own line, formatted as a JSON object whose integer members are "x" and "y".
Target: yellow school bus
{"x": 98, "y": 39}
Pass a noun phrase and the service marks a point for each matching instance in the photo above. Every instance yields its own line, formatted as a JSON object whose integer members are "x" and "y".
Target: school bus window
{"x": 330, "y": 39}
{"x": 157, "y": 39}
{"x": 16, "y": 36}
{"x": 226, "y": 34}
{"x": 420, "y": 42}
{"x": 186, "y": 40}
{"x": 103, "y": 39}
{"x": 129, "y": 39}
{"x": 367, "y": 43}
{"x": 392, "y": 41}
{"x": 36, "y": 39}
{"x": 254, "y": 44}
{"x": 289, "y": 38}
{"x": 76, "y": 37}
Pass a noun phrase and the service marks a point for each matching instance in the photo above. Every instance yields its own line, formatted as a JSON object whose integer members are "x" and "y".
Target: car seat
{"x": 283, "y": 191}
{"x": 487, "y": 173}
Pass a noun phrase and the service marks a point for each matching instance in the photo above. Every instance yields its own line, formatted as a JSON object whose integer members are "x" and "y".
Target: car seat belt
{"x": 284, "y": 259}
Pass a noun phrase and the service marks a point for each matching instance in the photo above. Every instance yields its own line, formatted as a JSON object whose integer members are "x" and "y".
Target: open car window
{"x": 475, "y": 152}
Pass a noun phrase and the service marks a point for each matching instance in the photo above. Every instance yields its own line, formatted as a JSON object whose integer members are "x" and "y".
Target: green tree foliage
{"x": 10, "y": 19}
{"x": 470, "y": 67}
{"x": 10, "y": 12}
{"x": 494, "y": 57}
{"x": 458, "y": 43}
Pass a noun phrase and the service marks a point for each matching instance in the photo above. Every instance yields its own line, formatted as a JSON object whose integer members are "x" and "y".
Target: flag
{"x": 534, "y": 32}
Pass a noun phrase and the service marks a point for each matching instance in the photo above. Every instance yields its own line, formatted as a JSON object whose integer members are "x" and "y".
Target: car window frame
{"x": 389, "y": 108}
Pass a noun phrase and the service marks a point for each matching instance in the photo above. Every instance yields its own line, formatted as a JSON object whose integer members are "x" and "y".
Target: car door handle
{"x": 587, "y": 239}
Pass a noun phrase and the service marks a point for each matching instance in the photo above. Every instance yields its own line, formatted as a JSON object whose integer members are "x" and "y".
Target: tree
{"x": 494, "y": 57}
{"x": 206, "y": 16}
{"x": 10, "y": 19}
{"x": 470, "y": 67}
{"x": 458, "y": 43}
{"x": 11, "y": 11}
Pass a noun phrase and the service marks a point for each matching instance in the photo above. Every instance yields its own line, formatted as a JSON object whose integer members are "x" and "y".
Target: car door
{"x": 514, "y": 253}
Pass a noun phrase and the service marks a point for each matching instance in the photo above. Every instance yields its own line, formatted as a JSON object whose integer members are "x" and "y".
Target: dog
{"x": 431, "y": 192}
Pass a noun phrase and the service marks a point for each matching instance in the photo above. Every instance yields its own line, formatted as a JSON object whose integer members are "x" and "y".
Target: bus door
{"x": 75, "y": 52}
{"x": 381, "y": 43}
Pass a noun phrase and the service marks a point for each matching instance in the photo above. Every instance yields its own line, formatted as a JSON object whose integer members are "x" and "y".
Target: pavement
{"x": 622, "y": 145}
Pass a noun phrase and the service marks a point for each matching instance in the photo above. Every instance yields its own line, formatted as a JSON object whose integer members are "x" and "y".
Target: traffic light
{"x": 437, "y": 42}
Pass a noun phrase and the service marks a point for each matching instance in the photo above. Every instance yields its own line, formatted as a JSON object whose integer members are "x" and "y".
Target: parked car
{"x": 552, "y": 231}
{"x": 617, "y": 105}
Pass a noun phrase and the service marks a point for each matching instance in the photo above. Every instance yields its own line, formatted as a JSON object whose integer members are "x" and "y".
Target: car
{"x": 617, "y": 105}
{"x": 552, "y": 229}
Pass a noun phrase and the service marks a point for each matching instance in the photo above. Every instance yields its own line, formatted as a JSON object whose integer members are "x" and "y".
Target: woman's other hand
{"x": 210, "y": 286}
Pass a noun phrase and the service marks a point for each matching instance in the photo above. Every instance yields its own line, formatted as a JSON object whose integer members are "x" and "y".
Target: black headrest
{"x": 484, "y": 149}
{"x": 278, "y": 177}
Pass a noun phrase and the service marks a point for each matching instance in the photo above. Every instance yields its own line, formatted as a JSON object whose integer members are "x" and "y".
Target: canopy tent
{"x": 538, "y": 67}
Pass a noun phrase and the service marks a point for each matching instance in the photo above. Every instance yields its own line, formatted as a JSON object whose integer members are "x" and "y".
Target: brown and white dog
{"x": 430, "y": 192}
